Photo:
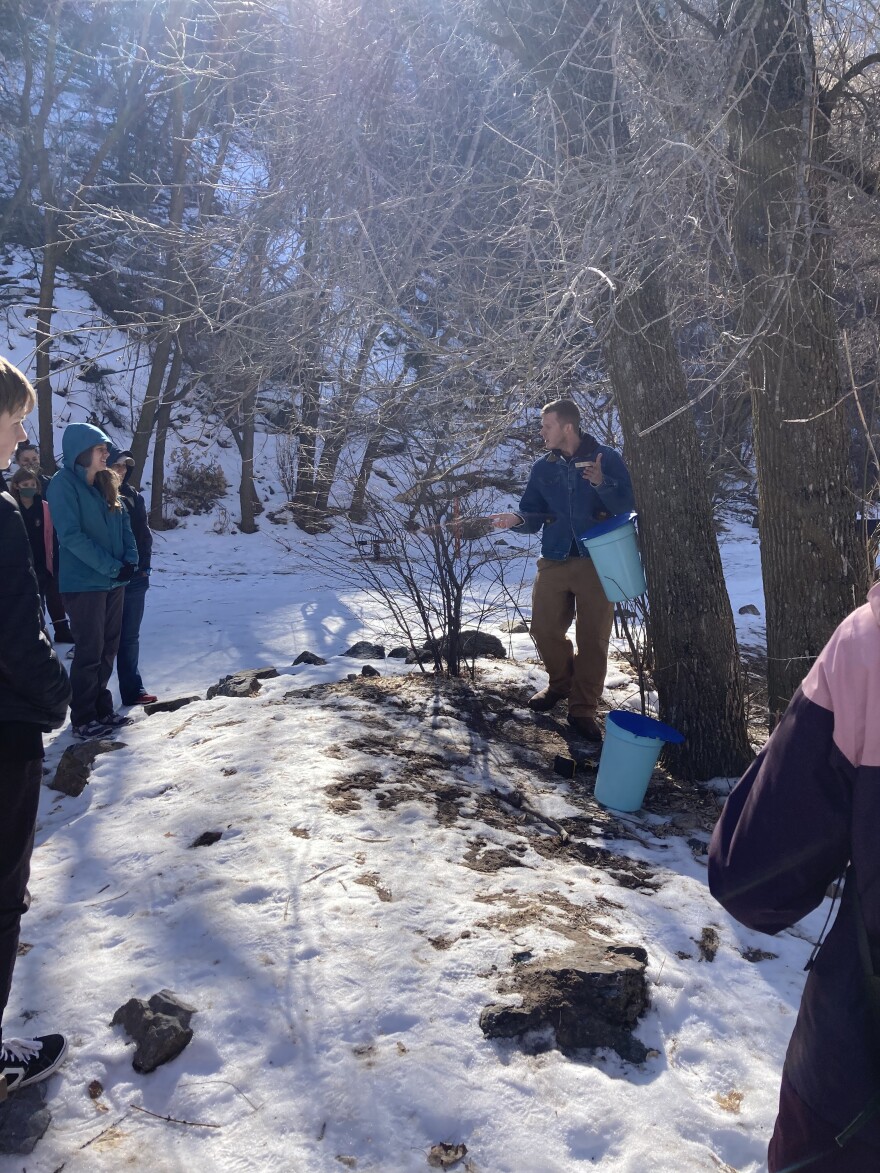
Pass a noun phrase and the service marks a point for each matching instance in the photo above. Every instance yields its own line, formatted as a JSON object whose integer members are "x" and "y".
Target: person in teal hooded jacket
{"x": 98, "y": 556}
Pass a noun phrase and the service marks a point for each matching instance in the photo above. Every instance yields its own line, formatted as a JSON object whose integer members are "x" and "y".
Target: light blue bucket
{"x": 615, "y": 552}
{"x": 629, "y": 753}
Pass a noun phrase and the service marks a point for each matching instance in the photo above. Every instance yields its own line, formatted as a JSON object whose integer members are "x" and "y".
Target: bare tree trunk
{"x": 696, "y": 661}
{"x": 303, "y": 511}
{"x": 337, "y": 430}
{"x": 163, "y": 420}
{"x": 244, "y": 437}
{"x": 813, "y": 567}
{"x": 45, "y": 310}
{"x": 570, "y": 49}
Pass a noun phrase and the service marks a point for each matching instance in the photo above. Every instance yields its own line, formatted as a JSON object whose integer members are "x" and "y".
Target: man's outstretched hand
{"x": 504, "y": 520}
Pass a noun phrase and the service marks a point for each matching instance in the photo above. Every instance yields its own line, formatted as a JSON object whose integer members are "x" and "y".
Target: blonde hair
{"x": 16, "y": 393}
{"x": 108, "y": 482}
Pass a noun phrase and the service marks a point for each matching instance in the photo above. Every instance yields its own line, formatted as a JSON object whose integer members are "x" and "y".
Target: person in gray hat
{"x": 131, "y": 687}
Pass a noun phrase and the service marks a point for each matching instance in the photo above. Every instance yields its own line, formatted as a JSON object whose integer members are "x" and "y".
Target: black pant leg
{"x": 114, "y": 603}
{"x": 19, "y": 799}
{"x": 87, "y": 611}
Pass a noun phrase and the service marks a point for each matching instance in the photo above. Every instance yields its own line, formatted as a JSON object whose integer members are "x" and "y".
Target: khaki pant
{"x": 563, "y": 589}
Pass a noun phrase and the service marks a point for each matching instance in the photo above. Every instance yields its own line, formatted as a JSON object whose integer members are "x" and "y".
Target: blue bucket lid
{"x": 641, "y": 726}
{"x": 607, "y": 527}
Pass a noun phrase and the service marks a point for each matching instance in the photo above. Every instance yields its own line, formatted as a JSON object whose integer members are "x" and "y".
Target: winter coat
{"x": 558, "y": 498}
{"x": 38, "y": 523}
{"x": 95, "y": 541}
{"x": 33, "y": 685}
{"x": 807, "y": 807}
{"x": 137, "y": 515}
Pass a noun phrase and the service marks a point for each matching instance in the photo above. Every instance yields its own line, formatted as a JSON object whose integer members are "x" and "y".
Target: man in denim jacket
{"x": 579, "y": 483}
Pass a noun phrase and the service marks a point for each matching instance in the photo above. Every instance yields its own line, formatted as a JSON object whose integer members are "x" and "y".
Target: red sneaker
{"x": 146, "y": 698}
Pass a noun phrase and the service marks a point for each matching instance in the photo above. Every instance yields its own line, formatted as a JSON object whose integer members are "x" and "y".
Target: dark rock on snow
{"x": 749, "y": 609}
{"x": 369, "y": 670}
{"x": 24, "y": 1118}
{"x": 207, "y": 838}
{"x": 241, "y": 684}
{"x": 475, "y": 644}
{"x": 160, "y": 1028}
{"x": 400, "y": 653}
{"x": 591, "y": 997}
{"x": 72, "y": 774}
{"x": 170, "y": 706}
{"x": 308, "y": 658}
{"x": 363, "y": 650}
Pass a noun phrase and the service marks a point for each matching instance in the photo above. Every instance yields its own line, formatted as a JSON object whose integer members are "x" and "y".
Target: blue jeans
{"x": 130, "y": 684}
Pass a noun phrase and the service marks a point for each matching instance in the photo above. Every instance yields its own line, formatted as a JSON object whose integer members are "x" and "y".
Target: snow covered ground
{"x": 340, "y": 949}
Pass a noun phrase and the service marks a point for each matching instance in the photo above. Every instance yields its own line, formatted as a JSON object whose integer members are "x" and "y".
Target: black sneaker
{"x": 63, "y": 634}
{"x": 91, "y": 730}
{"x": 116, "y": 720}
{"x": 27, "y": 1061}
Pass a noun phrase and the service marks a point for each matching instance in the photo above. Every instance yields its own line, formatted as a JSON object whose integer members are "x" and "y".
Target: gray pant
{"x": 96, "y": 623}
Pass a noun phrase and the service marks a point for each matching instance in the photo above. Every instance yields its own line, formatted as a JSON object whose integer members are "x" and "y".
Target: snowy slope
{"x": 329, "y": 1024}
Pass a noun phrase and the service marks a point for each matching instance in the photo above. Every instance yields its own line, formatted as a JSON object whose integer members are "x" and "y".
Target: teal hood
{"x": 77, "y": 438}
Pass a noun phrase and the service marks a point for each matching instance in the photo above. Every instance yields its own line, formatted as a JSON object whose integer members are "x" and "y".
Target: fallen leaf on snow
{"x": 731, "y": 1102}
{"x": 445, "y": 1155}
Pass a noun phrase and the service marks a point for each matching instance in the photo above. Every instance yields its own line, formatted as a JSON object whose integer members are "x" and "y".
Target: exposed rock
{"x": 76, "y": 763}
{"x": 515, "y": 627}
{"x": 421, "y": 657}
{"x": 169, "y": 706}
{"x": 363, "y": 650}
{"x": 476, "y": 644}
{"x": 400, "y": 653}
{"x": 369, "y": 670}
{"x": 24, "y": 1118}
{"x": 708, "y": 943}
{"x": 160, "y": 1028}
{"x": 207, "y": 838}
{"x": 167, "y": 1002}
{"x": 590, "y": 997}
{"x": 241, "y": 684}
{"x": 749, "y": 609}
{"x": 308, "y": 658}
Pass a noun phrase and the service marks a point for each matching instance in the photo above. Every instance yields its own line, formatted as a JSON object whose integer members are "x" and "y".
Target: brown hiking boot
{"x": 586, "y": 726}
{"x": 545, "y": 700}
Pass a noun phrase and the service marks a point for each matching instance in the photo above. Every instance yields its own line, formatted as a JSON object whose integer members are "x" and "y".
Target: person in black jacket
{"x": 27, "y": 456}
{"x": 25, "y": 488}
{"x": 34, "y": 695}
{"x": 131, "y": 687}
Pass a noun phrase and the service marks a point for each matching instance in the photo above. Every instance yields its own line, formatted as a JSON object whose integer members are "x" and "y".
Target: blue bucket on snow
{"x": 629, "y": 753}
{"x": 615, "y": 552}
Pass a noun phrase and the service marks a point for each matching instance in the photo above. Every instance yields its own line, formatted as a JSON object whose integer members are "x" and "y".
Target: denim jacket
{"x": 558, "y": 498}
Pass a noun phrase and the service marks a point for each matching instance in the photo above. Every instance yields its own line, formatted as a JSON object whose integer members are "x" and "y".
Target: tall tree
{"x": 568, "y": 51}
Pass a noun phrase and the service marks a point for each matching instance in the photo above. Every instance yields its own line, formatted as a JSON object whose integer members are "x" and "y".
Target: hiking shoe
{"x": 116, "y": 720}
{"x": 545, "y": 700}
{"x": 586, "y": 726}
{"x": 27, "y": 1061}
{"x": 63, "y": 634}
{"x": 92, "y": 729}
{"x": 146, "y": 698}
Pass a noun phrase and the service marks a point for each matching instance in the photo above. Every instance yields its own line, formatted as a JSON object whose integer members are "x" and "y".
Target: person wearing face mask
{"x": 25, "y": 488}
{"x": 98, "y": 556}
{"x": 27, "y": 457}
